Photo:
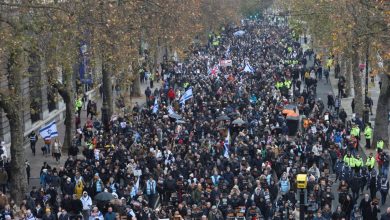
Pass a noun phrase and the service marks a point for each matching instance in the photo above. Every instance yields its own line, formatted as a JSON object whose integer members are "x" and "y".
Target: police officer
{"x": 384, "y": 189}
{"x": 33, "y": 140}
{"x": 368, "y": 135}
{"x": 358, "y": 163}
{"x": 349, "y": 160}
{"x": 370, "y": 163}
{"x": 379, "y": 145}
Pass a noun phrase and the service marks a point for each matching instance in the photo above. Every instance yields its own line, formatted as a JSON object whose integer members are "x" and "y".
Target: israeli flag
{"x": 155, "y": 106}
{"x": 226, "y": 145}
{"x": 49, "y": 131}
{"x": 186, "y": 96}
{"x": 135, "y": 189}
{"x": 248, "y": 68}
{"x": 170, "y": 110}
{"x": 227, "y": 53}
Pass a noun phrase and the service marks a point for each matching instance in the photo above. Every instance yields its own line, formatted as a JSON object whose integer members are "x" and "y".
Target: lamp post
{"x": 302, "y": 185}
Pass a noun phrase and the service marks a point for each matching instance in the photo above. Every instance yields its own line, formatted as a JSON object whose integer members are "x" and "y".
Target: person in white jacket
{"x": 87, "y": 204}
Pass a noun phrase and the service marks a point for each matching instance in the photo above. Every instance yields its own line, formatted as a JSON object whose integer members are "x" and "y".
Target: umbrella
{"x": 104, "y": 196}
{"x": 238, "y": 33}
{"x": 233, "y": 114}
{"x": 223, "y": 118}
{"x": 290, "y": 107}
{"x": 180, "y": 122}
{"x": 238, "y": 121}
{"x": 175, "y": 116}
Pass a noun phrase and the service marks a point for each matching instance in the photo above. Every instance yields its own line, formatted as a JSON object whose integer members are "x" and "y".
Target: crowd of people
{"x": 219, "y": 140}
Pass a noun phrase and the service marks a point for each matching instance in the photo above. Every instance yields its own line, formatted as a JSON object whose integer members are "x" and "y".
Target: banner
{"x": 225, "y": 63}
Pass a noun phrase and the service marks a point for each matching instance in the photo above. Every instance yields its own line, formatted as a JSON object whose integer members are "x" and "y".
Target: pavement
{"x": 323, "y": 89}
{"x": 36, "y": 162}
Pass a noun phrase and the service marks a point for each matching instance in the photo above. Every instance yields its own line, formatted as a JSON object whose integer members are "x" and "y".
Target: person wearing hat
{"x": 215, "y": 214}
{"x": 349, "y": 160}
{"x": 253, "y": 212}
{"x": 87, "y": 204}
{"x": 358, "y": 163}
{"x": 368, "y": 135}
{"x": 370, "y": 163}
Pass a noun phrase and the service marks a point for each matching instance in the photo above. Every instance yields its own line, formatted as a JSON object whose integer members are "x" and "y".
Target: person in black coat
{"x": 371, "y": 213}
{"x": 77, "y": 205}
{"x": 365, "y": 205}
{"x": 48, "y": 215}
{"x": 386, "y": 216}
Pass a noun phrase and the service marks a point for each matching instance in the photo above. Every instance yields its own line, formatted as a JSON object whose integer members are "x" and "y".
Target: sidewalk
{"x": 37, "y": 161}
{"x": 373, "y": 92}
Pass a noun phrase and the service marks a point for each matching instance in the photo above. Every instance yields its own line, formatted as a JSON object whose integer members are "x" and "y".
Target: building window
{"x": 35, "y": 110}
{"x": 35, "y": 88}
{"x": 51, "y": 99}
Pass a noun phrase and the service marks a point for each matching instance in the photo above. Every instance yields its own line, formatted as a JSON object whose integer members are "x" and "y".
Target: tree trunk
{"x": 18, "y": 178}
{"x": 107, "y": 88}
{"x": 381, "y": 119}
{"x": 13, "y": 105}
{"x": 357, "y": 83}
{"x": 136, "y": 86}
{"x": 348, "y": 74}
{"x": 66, "y": 92}
{"x": 69, "y": 124}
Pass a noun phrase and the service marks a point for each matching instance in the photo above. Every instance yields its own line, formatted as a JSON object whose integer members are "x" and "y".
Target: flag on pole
{"x": 186, "y": 96}
{"x": 134, "y": 192}
{"x": 49, "y": 131}
{"x": 227, "y": 53}
{"x": 248, "y": 68}
{"x": 155, "y": 106}
{"x": 170, "y": 110}
{"x": 226, "y": 145}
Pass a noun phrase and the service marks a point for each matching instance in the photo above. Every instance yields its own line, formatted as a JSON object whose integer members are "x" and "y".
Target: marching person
{"x": 33, "y": 140}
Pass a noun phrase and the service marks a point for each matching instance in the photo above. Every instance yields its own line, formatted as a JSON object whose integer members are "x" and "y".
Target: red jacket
{"x": 378, "y": 159}
{"x": 171, "y": 94}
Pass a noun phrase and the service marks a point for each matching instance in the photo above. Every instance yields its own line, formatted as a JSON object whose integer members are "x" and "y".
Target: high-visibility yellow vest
{"x": 349, "y": 161}
{"x": 370, "y": 163}
{"x": 358, "y": 162}
{"x": 380, "y": 144}
{"x": 355, "y": 131}
{"x": 287, "y": 83}
{"x": 368, "y": 132}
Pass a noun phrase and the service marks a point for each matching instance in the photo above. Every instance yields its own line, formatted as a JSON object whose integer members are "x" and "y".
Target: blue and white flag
{"x": 186, "y": 96}
{"x": 49, "y": 131}
{"x": 227, "y": 53}
{"x": 248, "y": 68}
{"x": 226, "y": 145}
{"x": 135, "y": 189}
{"x": 155, "y": 106}
{"x": 170, "y": 110}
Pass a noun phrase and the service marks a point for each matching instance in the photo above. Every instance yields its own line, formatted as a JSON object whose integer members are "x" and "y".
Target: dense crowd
{"x": 220, "y": 140}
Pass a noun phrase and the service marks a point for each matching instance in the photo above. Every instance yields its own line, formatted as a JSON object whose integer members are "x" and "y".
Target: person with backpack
{"x": 384, "y": 189}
